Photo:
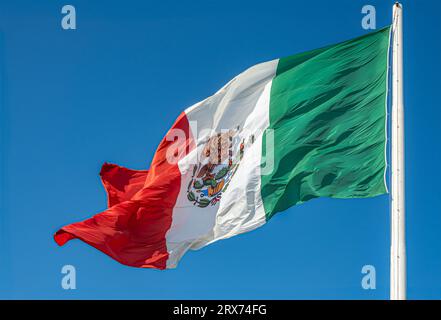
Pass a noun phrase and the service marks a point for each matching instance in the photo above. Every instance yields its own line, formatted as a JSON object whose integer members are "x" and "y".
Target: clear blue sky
{"x": 109, "y": 90}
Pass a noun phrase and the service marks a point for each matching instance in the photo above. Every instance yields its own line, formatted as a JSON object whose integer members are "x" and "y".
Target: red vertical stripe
{"x": 133, "y": 230}
{"x": 121, "y": 184}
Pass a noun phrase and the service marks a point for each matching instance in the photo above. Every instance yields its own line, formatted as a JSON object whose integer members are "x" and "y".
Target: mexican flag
{"x": 280, "y": 133}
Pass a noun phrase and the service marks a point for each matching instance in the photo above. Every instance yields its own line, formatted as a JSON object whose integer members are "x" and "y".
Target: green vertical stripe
{"x": 327, "y": 113}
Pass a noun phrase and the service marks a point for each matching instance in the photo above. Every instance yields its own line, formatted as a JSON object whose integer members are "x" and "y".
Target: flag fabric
{"x": 279, "y": 134}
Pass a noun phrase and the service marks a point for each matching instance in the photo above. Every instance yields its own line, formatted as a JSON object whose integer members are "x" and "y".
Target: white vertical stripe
{"x": 243, "y": 102}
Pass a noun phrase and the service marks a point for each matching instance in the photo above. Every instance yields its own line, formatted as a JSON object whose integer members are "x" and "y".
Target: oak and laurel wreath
{"x": 217, "y": 183}
{"x": 204, "y": 202}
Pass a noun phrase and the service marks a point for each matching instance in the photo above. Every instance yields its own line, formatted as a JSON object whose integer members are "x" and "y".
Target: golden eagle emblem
{"x": 219, "y": 162}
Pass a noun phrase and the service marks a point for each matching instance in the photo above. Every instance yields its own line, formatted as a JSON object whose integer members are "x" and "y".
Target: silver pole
{"x": 398, "y": 245}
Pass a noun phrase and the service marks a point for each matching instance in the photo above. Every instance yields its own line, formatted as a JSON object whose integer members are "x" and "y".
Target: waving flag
{"x": 279, "y": 134}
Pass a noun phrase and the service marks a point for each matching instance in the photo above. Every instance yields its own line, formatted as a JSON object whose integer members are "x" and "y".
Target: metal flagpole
{"x": 398, "y": 245}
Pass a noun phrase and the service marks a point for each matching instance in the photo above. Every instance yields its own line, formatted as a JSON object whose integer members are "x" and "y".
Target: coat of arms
{"x": 219, "y": 161}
